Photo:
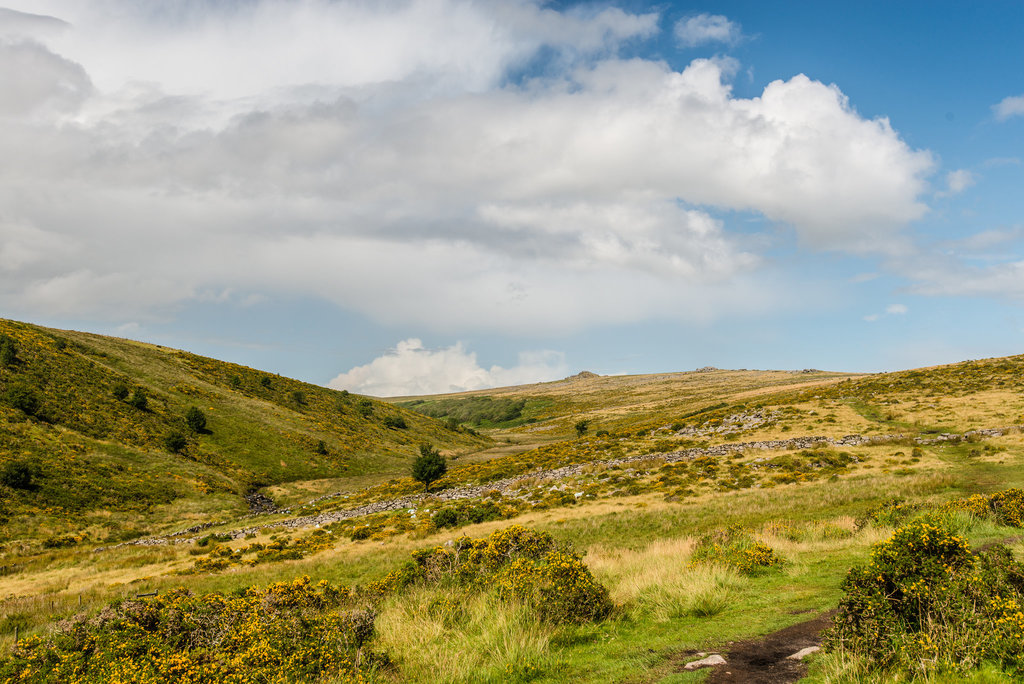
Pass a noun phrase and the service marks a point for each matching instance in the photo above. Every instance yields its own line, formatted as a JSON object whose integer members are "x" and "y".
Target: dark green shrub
{"x": 175, "y": 442}
{"x": 196, "y": 419}
{"x": 446, "y": 517}
{"x": 120, "y": 391}
{"x": 469, "y": 513}
{"x": 429, "y": 466}
{"x": 8, "y": 351}
{"x": 888, "y": 513}
{"x": 265, "y": 381}
{"x": 19, "y": 475}
{"x": 299, "y": 397}
{"x": 139, "y": 400}
{"x": 395, "y": 422}
{"x": 581, "y": 427}
{"x": 365, "y": 408}
{"x": 23, "y": 399}
{"x": 321, "y": 447}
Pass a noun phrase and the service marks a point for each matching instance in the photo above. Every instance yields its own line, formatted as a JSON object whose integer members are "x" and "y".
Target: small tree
{"x": 139, "y": 400}
{"x": 299, "y": 397}
{"x": 196, "y": 419}
{"x": 429, "y": 466}
{"x": 581, "y": 427}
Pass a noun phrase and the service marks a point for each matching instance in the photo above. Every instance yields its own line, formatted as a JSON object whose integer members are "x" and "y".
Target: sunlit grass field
{"x": 644, "y": 522}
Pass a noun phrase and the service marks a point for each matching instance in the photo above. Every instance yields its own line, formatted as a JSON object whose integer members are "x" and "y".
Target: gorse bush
{"x": 175, "y": 442}
{"x": 736, "y": 548}
{"x": 23, "y": 399}
{"x": 469, "y": 513}
{"x": 8, "y": 351}
{"x": 120, "y": 391}
{"x": 139, "y": 400}
{"x": 1005, "y": 507}
{"x": 888, "y": 513}
{"x": 519, "y": 564}
{"x": 395, "y": 422}
{"x": 288, "y": 632}
{"x": 926, "y": 605}
{"x": 19, "y": 475}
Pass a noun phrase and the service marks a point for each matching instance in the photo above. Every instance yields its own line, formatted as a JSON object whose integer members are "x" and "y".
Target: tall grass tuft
{"x": 470, "y": 637}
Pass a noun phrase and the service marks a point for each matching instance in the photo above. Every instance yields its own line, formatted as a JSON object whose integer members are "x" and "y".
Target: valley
{"x": 679, "y": 512}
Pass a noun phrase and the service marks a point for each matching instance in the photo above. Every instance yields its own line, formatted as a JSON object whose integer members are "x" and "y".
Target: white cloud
{"x": 411, "y": 369}
{"x": 32, "y": 79}
{"x": 871, "y": 318}
{"x": 959, "y": 180}
{"x": 1009, "y": 107}
{"x": 707, "y": 28}
{"x": 416, "y": 184}
{"x": 896, "y": 309}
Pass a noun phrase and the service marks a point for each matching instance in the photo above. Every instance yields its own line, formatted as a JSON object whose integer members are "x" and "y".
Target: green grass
{"x": 104, "y": 474}
{"x": 93, "y": 453}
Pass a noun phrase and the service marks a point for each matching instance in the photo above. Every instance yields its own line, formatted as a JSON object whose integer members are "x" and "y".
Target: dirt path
{"x": 766, "y": 660}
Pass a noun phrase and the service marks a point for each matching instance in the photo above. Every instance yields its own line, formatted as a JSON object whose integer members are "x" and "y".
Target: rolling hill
{"x": 592, "y": 529}
{"x": 85, "y": 422}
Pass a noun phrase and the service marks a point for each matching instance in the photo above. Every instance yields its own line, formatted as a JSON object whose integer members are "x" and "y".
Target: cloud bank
{"x": 411, "y": 369}
{"x": 408, "y": 160}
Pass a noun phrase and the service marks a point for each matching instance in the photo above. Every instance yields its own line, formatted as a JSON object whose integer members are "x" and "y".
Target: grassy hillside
{"x": 618, "y": 406}
{"x": 85, "y": 422}
{"x": 696, "y": 513}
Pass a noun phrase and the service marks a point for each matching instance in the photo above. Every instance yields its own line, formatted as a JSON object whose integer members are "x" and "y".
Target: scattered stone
{"x": 803, "y": 653}
{"x": 713, "y": 660}
{"x": 510, "y": 485}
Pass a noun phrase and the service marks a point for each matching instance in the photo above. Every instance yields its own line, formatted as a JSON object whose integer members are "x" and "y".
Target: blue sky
{"x": 430, "y": 195}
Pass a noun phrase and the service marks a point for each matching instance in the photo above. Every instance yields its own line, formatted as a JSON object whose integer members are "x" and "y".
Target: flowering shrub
{"x": 890, "y": 512}
{"x": 518, "y": 563}
{"x": 288, "y": 632}
{"x": 926, "y": 604}
{"x": 1006, "y": 507}
{"x": 735, "y": 547}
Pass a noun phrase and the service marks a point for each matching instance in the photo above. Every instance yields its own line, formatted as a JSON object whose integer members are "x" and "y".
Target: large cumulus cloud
{"x": 413, "y": 162}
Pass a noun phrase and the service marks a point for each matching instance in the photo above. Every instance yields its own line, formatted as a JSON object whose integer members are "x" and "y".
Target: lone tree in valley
{"x": 429, "y": 466}
{"x": 581, "y": 427}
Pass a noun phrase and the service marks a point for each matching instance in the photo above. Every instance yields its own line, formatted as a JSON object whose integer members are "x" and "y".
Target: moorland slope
{"x": 594, "y": 529}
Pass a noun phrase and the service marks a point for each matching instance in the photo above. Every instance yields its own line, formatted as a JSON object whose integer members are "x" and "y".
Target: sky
{"x": 415, "y": 196}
